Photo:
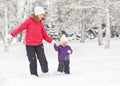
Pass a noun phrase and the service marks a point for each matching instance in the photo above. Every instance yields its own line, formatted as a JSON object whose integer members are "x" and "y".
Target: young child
{"x": 64, "y": 51}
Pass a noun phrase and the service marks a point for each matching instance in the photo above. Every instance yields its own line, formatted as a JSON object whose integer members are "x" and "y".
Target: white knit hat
{"x": 63, "y": 39}
{"x": 39, "y": 10}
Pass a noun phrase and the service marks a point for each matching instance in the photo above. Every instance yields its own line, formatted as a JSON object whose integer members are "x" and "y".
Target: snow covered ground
{"x": 91, "y": 65}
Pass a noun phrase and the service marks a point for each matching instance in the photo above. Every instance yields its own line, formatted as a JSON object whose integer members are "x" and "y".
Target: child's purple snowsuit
{"x": 63, "y": 55}
{"x": 63, "y": 58}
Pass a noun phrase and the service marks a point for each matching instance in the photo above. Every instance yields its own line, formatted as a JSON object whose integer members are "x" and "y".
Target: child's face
{"x": 64, "y": 44}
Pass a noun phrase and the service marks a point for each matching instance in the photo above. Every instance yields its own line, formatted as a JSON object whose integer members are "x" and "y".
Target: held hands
{"x": 55, "y": 42}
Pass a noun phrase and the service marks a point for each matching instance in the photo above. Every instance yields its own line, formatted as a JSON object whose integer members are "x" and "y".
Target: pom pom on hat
{"x": 39, "y": 10}
{"x": 63, "y": 39}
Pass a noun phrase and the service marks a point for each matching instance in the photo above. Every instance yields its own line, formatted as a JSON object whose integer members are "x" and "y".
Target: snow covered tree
{"x": 108, "y": 34}
{"x": 83, "y": 17}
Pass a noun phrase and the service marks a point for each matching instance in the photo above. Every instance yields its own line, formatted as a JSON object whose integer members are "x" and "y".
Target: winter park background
{"x": 93, "y": 30}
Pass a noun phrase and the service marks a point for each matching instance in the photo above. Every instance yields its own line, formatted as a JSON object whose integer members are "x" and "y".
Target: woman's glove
{"x": 53, "y": 42}
{"x": 9, "y": 36}
{"x": 7, "y": 39}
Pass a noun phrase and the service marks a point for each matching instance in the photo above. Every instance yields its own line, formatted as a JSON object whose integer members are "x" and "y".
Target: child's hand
{"x": 69, "y": 51}
{"x": 57, "y": 43}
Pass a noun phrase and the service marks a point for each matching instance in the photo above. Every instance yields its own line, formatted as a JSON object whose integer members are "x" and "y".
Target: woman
{"x": 35, "y": 34}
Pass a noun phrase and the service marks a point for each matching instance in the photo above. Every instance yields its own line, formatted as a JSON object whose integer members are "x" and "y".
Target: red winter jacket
{"x": 35, "y": 32}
